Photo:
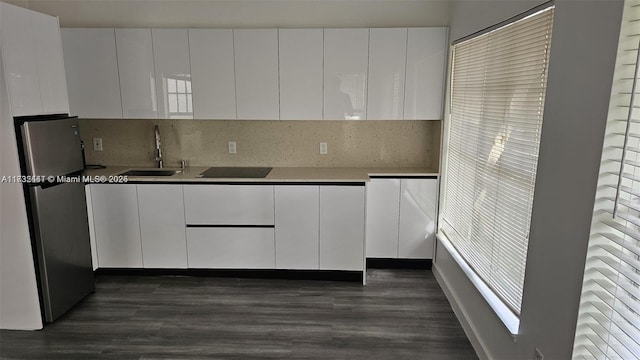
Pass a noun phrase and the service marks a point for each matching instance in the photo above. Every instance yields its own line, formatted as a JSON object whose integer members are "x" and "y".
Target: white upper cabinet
{"x": 387, "y": 58}
{"x": 426, "y": 53}
{"x": 137, "y": 76}
{"x": 245, "y": 74}
{"x": 300, "y": 56}
{"x": 212, "y": 73}
{"x": 92, "y": 73}
{"x": 32, "y": 57}
{"x": 256, "y": 64}
{"x": 51, "y": 75}
{"x": 19, "y": 57}
{"x": 345, "y": 73}
{"x": 173, "y": 73}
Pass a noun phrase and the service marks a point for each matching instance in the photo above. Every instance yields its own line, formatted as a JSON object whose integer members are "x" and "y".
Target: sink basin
{"x": 236, "y": 172}
{"x": 150, "y": 172}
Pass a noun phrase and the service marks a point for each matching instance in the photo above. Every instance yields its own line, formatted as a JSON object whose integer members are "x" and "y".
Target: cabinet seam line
{"x": 278, "y": 55}
{"x": 139, "y": 225}
{"x": 399, "y": 215}
{"x": 184, "y": 216}
{"x": 155, "y": 76}
{"x": 406, "y": 61}
{"x": 366, "y": 80}
{"x": 193, "y": 111}
{"x": 235, "y": 77}
{"x": 115, "y": 43}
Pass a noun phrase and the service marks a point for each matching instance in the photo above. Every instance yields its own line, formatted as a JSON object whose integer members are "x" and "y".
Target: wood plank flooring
{"x": 400, "y": 314}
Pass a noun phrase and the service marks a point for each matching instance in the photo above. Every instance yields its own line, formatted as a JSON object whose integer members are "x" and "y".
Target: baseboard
{"x": 461, "y": 314}
{"x": 327, "y": 275}
{"x": 388, "y": 263}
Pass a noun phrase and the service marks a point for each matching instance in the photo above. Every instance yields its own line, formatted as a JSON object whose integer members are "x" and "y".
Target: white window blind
{"x": 609, "y": 317}
{"x": 498, "y": 86}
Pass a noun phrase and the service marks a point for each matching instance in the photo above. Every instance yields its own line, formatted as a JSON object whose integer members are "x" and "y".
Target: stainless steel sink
{"x": 236, "y": 172}
{"x": 150, "y": 172}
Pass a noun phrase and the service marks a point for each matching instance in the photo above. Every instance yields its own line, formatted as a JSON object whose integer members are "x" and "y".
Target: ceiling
{"x": 243, "y": 13}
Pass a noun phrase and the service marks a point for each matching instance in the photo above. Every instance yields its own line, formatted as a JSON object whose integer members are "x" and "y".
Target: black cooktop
{"x": 236, "y": 172}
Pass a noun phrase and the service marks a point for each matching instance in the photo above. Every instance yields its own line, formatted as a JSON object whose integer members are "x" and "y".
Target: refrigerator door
{"x": 52, "y": 147}
{"x": 62, "y": 243}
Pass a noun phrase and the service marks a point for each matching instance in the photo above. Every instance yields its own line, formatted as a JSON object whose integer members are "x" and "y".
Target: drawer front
{"x": 228, "y": 204}
{"x": 244, "y": 248}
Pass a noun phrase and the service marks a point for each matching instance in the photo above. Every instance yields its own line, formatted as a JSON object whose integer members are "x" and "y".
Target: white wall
{"x": 583, "y": 50}
{"x": 243, "y": 13}
{"x": 19, "y": 303}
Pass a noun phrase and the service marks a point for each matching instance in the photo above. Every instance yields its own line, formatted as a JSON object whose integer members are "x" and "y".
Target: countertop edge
{"x": 290, "y": 175}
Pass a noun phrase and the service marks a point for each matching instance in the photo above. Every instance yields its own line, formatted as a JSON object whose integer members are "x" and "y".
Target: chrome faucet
{"x": 156, "y": 131}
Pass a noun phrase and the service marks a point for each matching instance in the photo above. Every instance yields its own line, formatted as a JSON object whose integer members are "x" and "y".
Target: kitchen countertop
{"x": 278, "y": 174}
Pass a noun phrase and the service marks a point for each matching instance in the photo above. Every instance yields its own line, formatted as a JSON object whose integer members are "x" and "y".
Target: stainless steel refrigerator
{"x": 51, "y": 148}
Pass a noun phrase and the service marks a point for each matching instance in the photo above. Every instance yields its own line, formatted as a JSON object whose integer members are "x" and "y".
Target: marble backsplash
{"x": 277, "y": 143}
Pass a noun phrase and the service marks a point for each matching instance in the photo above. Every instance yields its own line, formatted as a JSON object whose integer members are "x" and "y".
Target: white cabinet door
{"x": 426, "y": 53}
{"x": 137, "y": 77}
{"x": 417, "y": 218}
{"x": 92, "y": 230}
{"x": 345, "y": 73}
{"x": 256, "y": 63}
{"x": 19, "y": 58}
{"x": 300, "y": 56}
{"x": 249, "y": 248}
{"x": 116, "y": 225}
{"x": 91, "y": 66}
{"x": 51, "y": 74}
{"x": 32, "y": 57}
{"x": 162, "y": 226}
{"x": 212, "y": 73}
{"x": 228, "y": 204}
{"x": 383, "y": 217}
{"x": 297, "y": 227}
{"x": 342, "y": 227}
{"x": 173, "y": 73}
{"x": 387, "y": 58}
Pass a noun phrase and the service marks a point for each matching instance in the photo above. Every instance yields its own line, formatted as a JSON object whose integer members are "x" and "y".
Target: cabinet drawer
{"x": 248, "y": 248}
{"x": 228, "y": 204}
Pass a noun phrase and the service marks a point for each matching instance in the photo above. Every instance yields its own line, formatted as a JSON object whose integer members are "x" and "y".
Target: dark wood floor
{"x": 400, "y": 314}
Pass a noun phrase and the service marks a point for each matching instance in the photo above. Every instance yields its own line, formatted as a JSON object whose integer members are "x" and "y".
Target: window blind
{"x": 609, "y": 317}
{"x": 498, "y": 85}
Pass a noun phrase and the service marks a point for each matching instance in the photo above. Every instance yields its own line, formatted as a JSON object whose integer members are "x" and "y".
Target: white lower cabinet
{"x": 418, "y": 199}
{"x": 162, "y": 226}
{"x": 228, "y": 204}
{"x": 342, "y": 224}
{"x": 220, "y": 247}
{"x": 297, "y": 230}
{"x": 401, "y": 215}
{"x": 383, "y": 210}
{"x": 303, "y": 227}
{"x": 92, "y": 230}
{"x": 117, "y": 225}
